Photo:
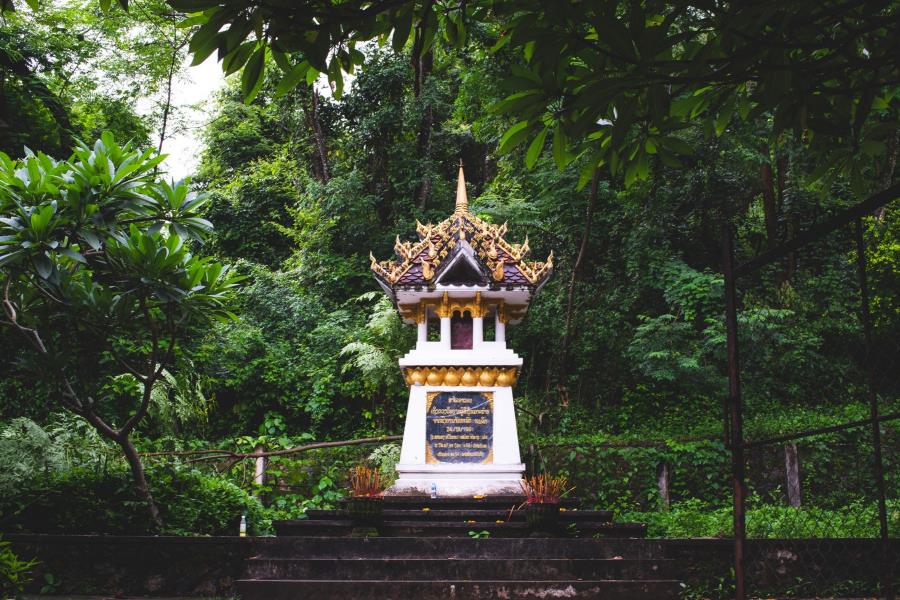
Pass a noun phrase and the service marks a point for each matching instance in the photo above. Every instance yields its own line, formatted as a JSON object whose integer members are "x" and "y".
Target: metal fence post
{"x": 734, "y": 402}
{"x": 886, "y": 575}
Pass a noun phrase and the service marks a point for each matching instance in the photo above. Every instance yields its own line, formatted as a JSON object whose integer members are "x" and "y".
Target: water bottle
{"x": 243, "y": 529}
{"x": 433, "y": 490}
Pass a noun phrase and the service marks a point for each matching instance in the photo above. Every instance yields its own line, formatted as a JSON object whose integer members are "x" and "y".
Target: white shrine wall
{"x": 502, "y": 476}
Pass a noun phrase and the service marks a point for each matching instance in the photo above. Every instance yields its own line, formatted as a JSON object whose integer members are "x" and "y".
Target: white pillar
{"x": 477, "y": 331}
{"x": 423, "y": 331}
{"x": 445, "y": 332}
{"x": 499, "y": 330}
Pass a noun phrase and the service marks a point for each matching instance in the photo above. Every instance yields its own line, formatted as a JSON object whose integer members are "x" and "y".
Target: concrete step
{"x": 479, "y": 514}
{"x": 466, "y": 503}
{"x": 456, "y": 547}
{"x": 334, "y": 527}
{"x": 458, "y": 569}
{"x": 287, "y": 589}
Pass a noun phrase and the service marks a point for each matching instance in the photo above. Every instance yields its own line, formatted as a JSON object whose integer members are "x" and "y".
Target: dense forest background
{"x": 624, "y": 349}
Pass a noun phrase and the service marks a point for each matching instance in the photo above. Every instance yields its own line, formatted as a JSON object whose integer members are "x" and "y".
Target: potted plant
{"x": 366, "y": 502}
{"x": 542, "y": 497}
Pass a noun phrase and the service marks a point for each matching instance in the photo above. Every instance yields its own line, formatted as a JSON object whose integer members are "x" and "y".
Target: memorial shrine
{"x": 461, "y": 284}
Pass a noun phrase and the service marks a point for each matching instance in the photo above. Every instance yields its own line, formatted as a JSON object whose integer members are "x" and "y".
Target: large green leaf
{"x": 514, "y": 136}
{"x": 252, "y": 77}
{"x": 402, "y": 29}
{"x": 534, "y": 149}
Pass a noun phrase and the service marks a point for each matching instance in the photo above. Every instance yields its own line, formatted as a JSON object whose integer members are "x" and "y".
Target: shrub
{"x": 316, "y": 479}
{"x": 14, "y": 573}
{"x": 694, "y": 519}
{"x": 84, "y": 501}
{"x": 63, "y": 442}
{"x": 386, "y": 458}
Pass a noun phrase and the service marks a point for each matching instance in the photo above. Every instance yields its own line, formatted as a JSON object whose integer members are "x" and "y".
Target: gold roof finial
{"x": 462, "y": 200}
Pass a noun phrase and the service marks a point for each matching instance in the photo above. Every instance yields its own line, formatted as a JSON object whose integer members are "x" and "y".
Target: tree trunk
{"x": 68, "y": 398}
{"x": 259, "y": 471}
{"x": 781, "y": 178}
{"x": 168, "y": 105}
{"x": 316, "y": 126}
{"x": 770, "y": 205}
{"x": 773, "y": 184}
{"x": 422, "y": 63}
{"x": 418, "y": 41}
{"x": 423, "y": 139}
{"x": 570, "y": 300}
{"x": 887, "y": 176}
{"x": 176, "y": 46}
{"x": 140, "y": 481}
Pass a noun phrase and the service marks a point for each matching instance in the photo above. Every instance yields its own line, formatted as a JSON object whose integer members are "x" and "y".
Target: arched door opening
{"x": 461, "y": 331}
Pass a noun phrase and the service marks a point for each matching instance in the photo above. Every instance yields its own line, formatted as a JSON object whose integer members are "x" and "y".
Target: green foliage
{"x": 14, "y": 573}
{"x": 693, "y": 518}
{"x": 99, "y": 278}
{"x": 65, "y": 478}
{"x": 617, "y": 476}
{"x": 385, "y": 339}
{"x": 252, "y": 209}
{"x": 72, "y": 71}
{"x": 614, "y": 83}
{"x": 60, "y": 217}
{"x": 66, "y": 442}
{"x": 882, "y": 258}
{"x": 88, "y": 501}
{"x": 592, "y": 76}
{"x": 386, "y": 458}
{"x": 177, "y": 401}
{"x": 95, "y": 250}
{"x": 283, "y": 356}
{"x": 683, "y": 349}
{"x": 302, "y": 185}
{"x": 316, "y": 479}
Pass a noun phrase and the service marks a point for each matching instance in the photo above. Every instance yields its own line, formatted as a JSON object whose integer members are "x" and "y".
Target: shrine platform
{"x": 500, "y": 516}
{"x": 430, "y": 548}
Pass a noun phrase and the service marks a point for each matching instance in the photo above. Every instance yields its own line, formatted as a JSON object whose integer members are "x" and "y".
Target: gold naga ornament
{"x": 437, "y": 241}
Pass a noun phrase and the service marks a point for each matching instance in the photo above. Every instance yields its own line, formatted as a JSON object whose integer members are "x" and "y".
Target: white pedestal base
{"x": 502, "y": 476}
{"x": 503, "y": 480}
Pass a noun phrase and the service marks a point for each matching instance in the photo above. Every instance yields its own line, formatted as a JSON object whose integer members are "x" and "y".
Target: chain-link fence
{"x": 812, "y": 517}
{"x": 814, "y": 428}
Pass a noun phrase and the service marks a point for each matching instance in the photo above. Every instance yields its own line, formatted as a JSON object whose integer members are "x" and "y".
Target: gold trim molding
{"x": 475, "y": 306}
{"x": 461, "y": 376}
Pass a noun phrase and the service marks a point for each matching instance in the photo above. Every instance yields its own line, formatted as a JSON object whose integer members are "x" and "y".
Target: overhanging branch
{"x": 820, "y": 230}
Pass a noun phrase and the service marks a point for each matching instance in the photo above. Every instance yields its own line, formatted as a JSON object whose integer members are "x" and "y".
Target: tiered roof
{"x": 491, "y": 261}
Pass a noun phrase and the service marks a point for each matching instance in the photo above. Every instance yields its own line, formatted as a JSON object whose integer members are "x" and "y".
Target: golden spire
{"x": 462, "y": 201}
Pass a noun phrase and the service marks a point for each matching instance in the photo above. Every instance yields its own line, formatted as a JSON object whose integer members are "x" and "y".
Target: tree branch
{"x": 215, "y": 453}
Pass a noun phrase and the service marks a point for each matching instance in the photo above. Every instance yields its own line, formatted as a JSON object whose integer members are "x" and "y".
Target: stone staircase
{"x": 425, "y": 551}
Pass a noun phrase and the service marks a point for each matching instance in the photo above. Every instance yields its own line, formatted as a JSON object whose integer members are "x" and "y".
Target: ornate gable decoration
{"x": 421, "y": 264}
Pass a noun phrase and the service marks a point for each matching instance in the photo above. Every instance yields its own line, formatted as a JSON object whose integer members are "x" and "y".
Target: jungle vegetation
{"x": 621, "y": 136}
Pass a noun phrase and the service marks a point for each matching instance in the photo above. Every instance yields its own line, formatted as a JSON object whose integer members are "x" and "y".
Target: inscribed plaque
{"x": 459, "y": 427}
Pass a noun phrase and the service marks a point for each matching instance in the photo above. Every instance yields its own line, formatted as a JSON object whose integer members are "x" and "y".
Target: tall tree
{"x": 90, "y": 68}
{"x": 613, "y": 82}
{"x": 98, "y": 277}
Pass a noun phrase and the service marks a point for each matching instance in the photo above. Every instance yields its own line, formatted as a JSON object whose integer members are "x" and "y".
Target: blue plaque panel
{"x": 459, "y": 427}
